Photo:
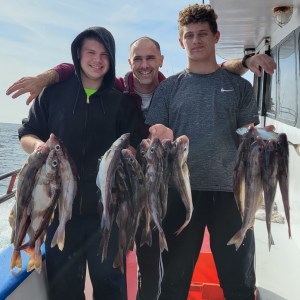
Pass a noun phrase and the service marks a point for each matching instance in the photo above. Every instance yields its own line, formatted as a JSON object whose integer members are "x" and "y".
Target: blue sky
{"x": 36, "y": 35}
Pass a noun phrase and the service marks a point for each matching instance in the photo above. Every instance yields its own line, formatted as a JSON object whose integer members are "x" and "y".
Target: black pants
{"x": 148, "y": 258}
{"x": 218, "y": 211}
{"x": 66, "y": 269}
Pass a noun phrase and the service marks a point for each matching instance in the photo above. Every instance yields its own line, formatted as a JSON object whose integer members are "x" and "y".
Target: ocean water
{"x": 12, "y": 157}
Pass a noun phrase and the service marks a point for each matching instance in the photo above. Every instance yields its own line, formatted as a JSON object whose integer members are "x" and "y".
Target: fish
{"x": 180, "y": 176}
{"x": 122, "y": 196}
{"x": 106, "y": 176}
{"x": 270, "y": 180}
{"x": 240, "y": 168}
{"x": 25, "y": 185}
{"x": 122, "y": 221}
{"x": 164, "y": 185}
{"x": 37, "y": 214}
{"x": 146, "y": 237}
{"x": 12, "y": 222}
{"x": 68, "y": 175}
{"x": 268, "y": 135}
{"x": 261, "y": 132}
{"x": 44, "y": 200}
{"x": 137, "y": 184}
{"x": 253, "y": 191}
{"x": 153, "y": 177}
{"x": 141, "y": 153}
{"x": 283, "y": 175}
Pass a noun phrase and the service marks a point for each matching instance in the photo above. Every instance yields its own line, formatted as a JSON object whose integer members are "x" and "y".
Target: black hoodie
{"x": 87, "y": 130}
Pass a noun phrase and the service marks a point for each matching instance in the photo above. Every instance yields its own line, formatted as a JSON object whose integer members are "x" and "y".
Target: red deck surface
{"x": 205, "y": 282}
{"x": 204, "y": 285}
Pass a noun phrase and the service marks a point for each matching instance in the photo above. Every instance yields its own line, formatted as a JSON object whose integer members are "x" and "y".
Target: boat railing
{"x": 10, "y": 189}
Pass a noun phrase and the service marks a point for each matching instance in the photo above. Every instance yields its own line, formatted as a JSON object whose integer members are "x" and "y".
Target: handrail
{"x": 10, "y": 192}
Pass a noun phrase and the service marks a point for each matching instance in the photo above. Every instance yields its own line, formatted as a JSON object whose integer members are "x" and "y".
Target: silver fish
{"x": 268, "y": 135}
{"x": 67, "y": 171}
{"x": 164, "y": 185}
{"x": 106, "y": 175}
{"x": 136, "y": 180}
{"x": 180, "y": 176}
{"x": 25, "y": 185}
{"x": 39, "y": 210}
{"x": 45, "y": 195}
{"x": 141, "y": 153}
{"x": 253, "y": 196}
{"x": 269, "y": 179}
{"x": 153, "y": 177}
{"x": 240, "y": 168}
{"x": 283, "y": 175}
{"x": 124, "y": 217}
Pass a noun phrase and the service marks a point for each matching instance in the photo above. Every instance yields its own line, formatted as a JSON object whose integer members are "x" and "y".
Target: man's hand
{"x": 261, "y": 60}
{"x": 31, "y": 143}
{"x": 161, "y": 131}
{"x": 32, "y": 85}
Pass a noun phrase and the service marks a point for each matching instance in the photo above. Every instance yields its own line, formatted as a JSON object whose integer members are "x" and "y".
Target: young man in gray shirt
{"x": 206, "y": 103}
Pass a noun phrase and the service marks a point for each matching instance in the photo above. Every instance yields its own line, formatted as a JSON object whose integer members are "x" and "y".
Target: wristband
{"x": 245, "y": 58}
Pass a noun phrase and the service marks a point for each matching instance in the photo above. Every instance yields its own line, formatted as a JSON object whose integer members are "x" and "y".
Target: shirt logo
{"x": 223, "y": 90}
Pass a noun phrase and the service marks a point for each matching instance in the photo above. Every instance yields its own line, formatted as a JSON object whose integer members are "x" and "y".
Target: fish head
{"x": 282, "y": 140}
{"x": 131, "y": 162}
{"x": 251, "y": 135}
{"x": 167, "y": 145}
{"x": 39, "y": 155}
{"x": 121, "y": 142}
{"x": 180, "y": 148}
{"x": 128, "y": 156}
{"x": 52, "y": 141}
{"x": 155, "y": 150}
{"x": 143, "y": 147}
{"x": 52, "y": 161}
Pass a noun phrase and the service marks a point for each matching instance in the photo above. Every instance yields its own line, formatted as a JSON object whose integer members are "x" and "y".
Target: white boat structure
{"x": 269, "y": 26}
{"x": 273, "y": 27}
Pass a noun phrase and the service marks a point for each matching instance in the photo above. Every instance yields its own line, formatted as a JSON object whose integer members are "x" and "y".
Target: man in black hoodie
{"x": 88, "y": 115}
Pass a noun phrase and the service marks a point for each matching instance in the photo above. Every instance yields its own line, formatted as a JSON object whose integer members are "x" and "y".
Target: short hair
{"x": 198, "y": 13}
{"x": 147, "y": 38}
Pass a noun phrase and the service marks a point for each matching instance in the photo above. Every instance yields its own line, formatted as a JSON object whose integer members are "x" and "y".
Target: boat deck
{"x": 277, "y": 270}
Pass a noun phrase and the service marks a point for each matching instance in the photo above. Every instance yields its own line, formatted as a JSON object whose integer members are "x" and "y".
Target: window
{"x": 287, "y": 92}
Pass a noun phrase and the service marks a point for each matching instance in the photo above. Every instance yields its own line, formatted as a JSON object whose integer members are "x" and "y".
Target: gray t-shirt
{"x": 208, "y": 108}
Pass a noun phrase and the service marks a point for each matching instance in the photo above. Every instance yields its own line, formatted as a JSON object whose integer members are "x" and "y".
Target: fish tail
{"x": 162, "y": 242}
{"x": 23, "y": 247}
{"x": 105, "y": 222}
{"x": 35, "y": 262}
{"x": 268, "y": 223}
{"x": 183, "y": 226}
{"x": 118, "y": 262}
{"x": 30, "y": 265}
{"x": 104, "y": 252}
{"x": 237, "y": 239}
{"x": 270, "y": 240}
{"x": 16, "y": 260}
{"x": 59, "y": 238}
{"x": 146, "y": 238}
{"x": 103, "y": 248}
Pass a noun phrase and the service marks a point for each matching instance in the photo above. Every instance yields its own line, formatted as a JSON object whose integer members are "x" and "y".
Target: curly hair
{"x": 198, "y": 13}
